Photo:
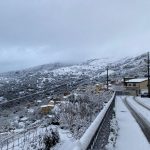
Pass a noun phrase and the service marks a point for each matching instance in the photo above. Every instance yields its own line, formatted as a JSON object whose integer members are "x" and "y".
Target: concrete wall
{"x": 143, "y": 85}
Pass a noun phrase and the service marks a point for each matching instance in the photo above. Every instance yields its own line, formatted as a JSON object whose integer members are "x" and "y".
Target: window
{"x": 129, "y": 84}
{"x": 134, "y": 84}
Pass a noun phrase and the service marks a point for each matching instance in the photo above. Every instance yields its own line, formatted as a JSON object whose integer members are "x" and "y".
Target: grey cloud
{"x": 40, "y": 31}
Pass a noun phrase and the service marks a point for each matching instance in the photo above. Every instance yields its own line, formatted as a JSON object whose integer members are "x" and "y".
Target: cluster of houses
{"x": 45, "y": 109}
{"x": 133, "y": 86}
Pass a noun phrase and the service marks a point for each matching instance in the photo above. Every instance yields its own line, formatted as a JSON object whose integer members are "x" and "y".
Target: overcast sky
{"x": 34, "y": 32}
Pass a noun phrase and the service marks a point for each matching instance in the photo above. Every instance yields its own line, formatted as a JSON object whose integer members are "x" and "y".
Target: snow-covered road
{"x": 144, "y": 101}
{"x": 130, "y": 135}
{"x": 139, "y": 107}
{"x": 141, "y": 119}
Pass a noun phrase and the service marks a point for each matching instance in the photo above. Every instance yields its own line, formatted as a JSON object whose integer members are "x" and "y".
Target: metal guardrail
{"x": 95, "y": 133}
{"x": 100, "y": 138}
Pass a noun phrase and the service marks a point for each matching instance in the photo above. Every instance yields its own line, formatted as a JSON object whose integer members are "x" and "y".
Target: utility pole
{"x": 148, "y": 76}
{"x": 107, "y": 78}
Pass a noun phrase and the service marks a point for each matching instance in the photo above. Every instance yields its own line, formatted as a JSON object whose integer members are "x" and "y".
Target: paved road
{"x": 141, "y": 120}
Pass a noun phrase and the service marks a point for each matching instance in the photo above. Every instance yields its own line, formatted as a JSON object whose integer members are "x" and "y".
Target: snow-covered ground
{"x": 31, "y": 140}
{"x": 138, "y": 108}
{"x": 105, "y": 72}
{"x": 84, "y": 141}
{"x": 130, "y": 135}
{"x": 144, "y": 100}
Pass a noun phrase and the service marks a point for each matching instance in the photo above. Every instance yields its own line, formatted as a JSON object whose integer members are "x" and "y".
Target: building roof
{"x": 49, "y": 105}
{"x": 137, "y": 80}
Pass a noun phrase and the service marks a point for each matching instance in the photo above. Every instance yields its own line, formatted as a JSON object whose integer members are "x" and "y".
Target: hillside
{"x": 24, "y": 93}
{"x": 19, "y": 83}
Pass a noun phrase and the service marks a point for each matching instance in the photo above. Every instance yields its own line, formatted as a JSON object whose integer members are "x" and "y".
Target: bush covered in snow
{"x": 77, "y": 113}
{"x": 45, "y": 140}
{"x": 50, "y": 139}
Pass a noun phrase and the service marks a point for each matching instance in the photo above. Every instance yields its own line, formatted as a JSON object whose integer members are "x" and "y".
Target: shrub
{"x": 50, "y": 139}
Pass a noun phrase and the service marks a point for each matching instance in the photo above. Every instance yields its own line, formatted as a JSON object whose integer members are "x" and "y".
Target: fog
{"x": 34, "y": 32}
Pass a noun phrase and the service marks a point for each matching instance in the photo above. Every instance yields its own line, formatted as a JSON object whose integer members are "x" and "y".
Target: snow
{"x": 137, "y": 80}
{"x": 68, "y": 70}
{"x": 130, "y": 135}
{"x": 30, "y": 139}
{"x": 113, "y": 134}
{"x": 86, "y": 68}
{"x": 21, "y": 92}
{"x": 109, "y": 72}
{"x": 49, "y": 105}
{"x": 1, "y": 98}
{"x": 31, "y": 110}
{"x": 39, "y": 101}
{"x": 144, "y": 91}
{"x": 86, "y": 138}
{"x": 144, "y": 100}
{"x": 18, "y": 130}
{"x": 88, "y": 135}
{"x": 21, "y": 125}
{"x": 49, "y": 79}
{"x": 24, "y": 119}
{"x": 140, "y": 109}
{"x": 56, "y": 109}
{"x": 66, "y": 139}
{"x": 67, "y": 96}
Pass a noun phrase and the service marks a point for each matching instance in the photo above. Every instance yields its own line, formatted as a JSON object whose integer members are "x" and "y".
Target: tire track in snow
{"x": 142, "y": 104}
{"x": 141, "y": 120}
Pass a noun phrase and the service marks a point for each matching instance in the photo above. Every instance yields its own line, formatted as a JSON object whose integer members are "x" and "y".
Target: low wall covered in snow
{"x": 89, "y": 135}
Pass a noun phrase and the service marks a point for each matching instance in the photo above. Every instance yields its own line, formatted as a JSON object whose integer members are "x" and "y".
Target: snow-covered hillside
{"x": 35, "y": 86}
{"x": 43, "y": 77}
{"x": 89, "y": 68}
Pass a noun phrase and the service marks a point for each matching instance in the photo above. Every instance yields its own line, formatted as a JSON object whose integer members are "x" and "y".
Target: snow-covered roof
{"x": 49, "y": 105}
{"x": 137, "y": 80}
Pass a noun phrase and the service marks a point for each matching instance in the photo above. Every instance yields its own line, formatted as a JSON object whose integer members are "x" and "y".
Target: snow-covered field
{"x": 130, "y": 135}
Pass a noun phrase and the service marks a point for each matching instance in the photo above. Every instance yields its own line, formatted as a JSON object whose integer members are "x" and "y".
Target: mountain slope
{"x": 46, "y": 76}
